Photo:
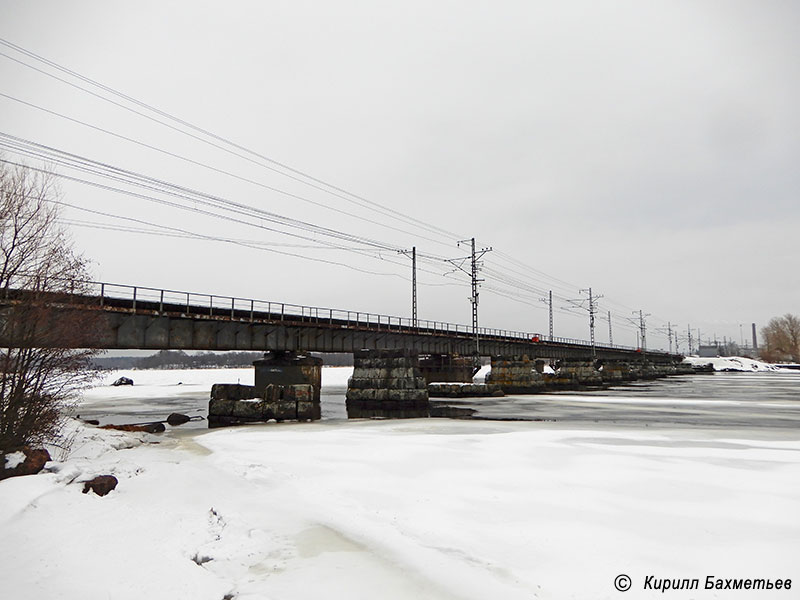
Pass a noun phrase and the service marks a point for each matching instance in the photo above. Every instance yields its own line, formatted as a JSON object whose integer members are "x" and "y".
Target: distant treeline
{"x": 178, "y": 359}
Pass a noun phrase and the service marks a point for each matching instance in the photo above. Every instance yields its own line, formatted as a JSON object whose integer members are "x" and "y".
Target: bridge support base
{"x": 658, "y": 370}
{"x": 386, "y": 383}
{"x": 446, "y": 368}
{"x": 581, "y": 373}
{"x": 613, "y": 372}
{"x": 288, "y": 368}
{"x": 515, "y": 375}
{"x": 234, "y": 404}
{"x": 622, "y": 371}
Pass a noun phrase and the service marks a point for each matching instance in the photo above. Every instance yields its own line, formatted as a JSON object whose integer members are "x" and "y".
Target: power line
{"x": 287, "y": 171}
{"x": 183, "y": 233}
{"x": 131, "y": 178}
{"x": 218, "y": 170}
{"x": 328, "y": 188}
{"x": 156, "y": 232}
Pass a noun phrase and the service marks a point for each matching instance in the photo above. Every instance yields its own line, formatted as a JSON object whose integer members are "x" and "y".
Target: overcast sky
{"x": 649, "y": 150}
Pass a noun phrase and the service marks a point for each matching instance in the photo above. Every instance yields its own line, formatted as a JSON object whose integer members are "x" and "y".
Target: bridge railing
{"x": 140, "y": 298}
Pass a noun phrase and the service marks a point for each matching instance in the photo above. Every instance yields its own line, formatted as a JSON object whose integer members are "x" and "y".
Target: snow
{"x": 159, "y": 382}
{"x": 14, "y": 459}
{"x": 731, "y": 363}
{"x": 480, "y": 376}
{"x": 336, "y": 377}
{"x": 419, "y": 508}
{"x": 399, "y": 509}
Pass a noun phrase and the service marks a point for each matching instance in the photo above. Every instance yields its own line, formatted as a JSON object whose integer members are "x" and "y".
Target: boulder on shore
{"x": 157, "y": 427}
{"x": 25, "y": 461}
{"x": 100, "y": 485}
{"x": 123, "y": 381}
{"x": 175, "y": 419}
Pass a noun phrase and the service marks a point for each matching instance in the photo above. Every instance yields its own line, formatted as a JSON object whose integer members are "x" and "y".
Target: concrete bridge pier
{"x": 658, "y": 370}
{"x": 287, "y": 388}
{"x": 288, "y": 368}
{"x": 616, "y": 371}
{"x": 648, "y": 371}
{"x": 516, "y": 374}
{"x": 446, "y": 368}
{"x": 387, "y": 383}
{"x": 624, "y": 370}
{"x": 576, "y": 374}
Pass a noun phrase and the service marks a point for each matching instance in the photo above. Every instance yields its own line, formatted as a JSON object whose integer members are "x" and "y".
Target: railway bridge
{"x": 123, "y": 317}
{"x": 134, "y": 317}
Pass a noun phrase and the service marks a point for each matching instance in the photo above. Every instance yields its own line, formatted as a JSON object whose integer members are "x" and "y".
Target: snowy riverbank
{"x": 733, "y": 363}
{"x": 400, "y": 509}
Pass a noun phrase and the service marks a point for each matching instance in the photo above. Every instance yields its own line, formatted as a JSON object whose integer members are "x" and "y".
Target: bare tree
{"x": 46, "y": 345}
{"x": 781, "y": 339}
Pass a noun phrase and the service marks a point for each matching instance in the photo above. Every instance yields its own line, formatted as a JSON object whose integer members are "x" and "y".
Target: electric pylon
{"x": 475, "y": 266}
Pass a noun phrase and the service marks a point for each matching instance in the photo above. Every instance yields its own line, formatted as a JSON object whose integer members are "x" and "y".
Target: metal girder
{"x": 128, "y": 329}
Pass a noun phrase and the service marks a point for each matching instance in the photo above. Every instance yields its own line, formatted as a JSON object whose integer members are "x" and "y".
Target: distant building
{"x": 727, "y": 349}
{"x": 749, "y": 352}
{"x": 709, "y": 351}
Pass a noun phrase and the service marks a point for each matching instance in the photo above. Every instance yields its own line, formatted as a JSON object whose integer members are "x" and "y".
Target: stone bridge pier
{"x": 576, "y": 374}
{"x": 516, "y": 375}
{"x": 521, "y": 375}
{"x": 619, "y": 371}
{"x": 387, "y": 383}
{"x": 616, "y": 371}
{"x": 446, "y": 368}
{"x": 288, "y": 368}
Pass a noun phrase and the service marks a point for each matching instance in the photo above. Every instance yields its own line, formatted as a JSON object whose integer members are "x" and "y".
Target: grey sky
{"x": 648, "y": 150}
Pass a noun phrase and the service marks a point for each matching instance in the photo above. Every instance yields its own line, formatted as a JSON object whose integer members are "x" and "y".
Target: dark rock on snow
{"x": 123, "y": 381}
{"x": 140, "y": 427}
{"x": 100, "y": 485}
{"x": 177, "y": 419}
{"x": 34, "y": 462}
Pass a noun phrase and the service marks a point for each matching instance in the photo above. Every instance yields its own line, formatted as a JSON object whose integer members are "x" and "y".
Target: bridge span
{"x": 134, "y": 317}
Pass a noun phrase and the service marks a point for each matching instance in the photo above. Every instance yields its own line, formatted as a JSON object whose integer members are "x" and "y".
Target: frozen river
{"x": 722, "y": 400}
{"x": 669, "y": 481}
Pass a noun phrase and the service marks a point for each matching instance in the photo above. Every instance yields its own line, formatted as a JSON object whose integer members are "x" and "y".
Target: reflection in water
{"x": 357, "y": 410}
{"x": 433, "y": 409}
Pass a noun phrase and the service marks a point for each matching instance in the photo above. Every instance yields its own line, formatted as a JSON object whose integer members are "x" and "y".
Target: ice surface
{"x": 158, "y": 392}
{"x": 399, "y": 509}
{"x": 428, "y": 508}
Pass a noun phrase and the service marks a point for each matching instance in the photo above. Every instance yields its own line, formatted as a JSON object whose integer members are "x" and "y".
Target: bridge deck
{"x": 147, "y": 318}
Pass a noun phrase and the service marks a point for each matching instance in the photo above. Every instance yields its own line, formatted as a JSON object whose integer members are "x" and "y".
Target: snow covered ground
{"x": 422, "y": 508}
{"x": 732, "y": 363}
{"x": 400, "y": 509}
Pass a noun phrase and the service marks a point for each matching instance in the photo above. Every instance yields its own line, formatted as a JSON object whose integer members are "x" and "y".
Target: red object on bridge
{"x": 535, "y": 338}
